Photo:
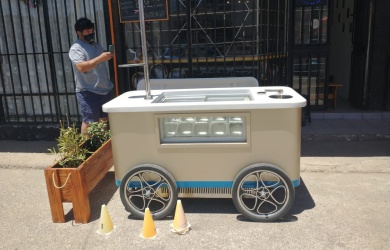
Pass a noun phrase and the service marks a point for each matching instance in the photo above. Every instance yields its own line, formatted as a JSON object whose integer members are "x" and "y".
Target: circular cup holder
{"x": 280, "y": 96}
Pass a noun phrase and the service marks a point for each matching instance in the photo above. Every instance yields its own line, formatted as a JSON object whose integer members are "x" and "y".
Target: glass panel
{"x": 203, "y": 128}
{"x": 311, "y": 23}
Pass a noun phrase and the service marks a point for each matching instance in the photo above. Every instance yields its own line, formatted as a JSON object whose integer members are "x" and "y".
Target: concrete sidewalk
{"x": 35, "y": 154}
{"x": 346, "y": 130}
{"x": 26, "y": 154}
{"x": 342, "y": 203}
{"x": 347, "y": 126}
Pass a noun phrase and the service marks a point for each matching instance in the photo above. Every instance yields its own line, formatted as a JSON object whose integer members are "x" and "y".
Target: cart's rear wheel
{"x": 263, "y": 192}
{"x": 149, "y": 185}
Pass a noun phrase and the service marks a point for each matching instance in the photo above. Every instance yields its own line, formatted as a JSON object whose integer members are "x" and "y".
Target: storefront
{"x": 202, "y": 39}
{"x": 305, "y": 44}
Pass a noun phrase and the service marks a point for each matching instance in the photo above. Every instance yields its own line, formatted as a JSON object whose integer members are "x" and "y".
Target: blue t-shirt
{"x": 95, "y": 80}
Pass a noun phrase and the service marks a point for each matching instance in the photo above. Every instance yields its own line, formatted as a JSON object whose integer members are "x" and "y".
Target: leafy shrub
{"x": 74, "y": 147}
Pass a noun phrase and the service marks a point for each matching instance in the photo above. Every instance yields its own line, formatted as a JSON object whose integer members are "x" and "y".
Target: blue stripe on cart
{"x": 211, "y": 184}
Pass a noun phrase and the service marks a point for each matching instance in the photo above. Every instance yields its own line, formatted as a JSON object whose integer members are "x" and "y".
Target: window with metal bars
{"x": 37, "y": 83}
{"x": 309, "y": 77}
{"x": 311, "y": 18}
{"x": 310, "y": 50}
{"x": 217, "y": 39}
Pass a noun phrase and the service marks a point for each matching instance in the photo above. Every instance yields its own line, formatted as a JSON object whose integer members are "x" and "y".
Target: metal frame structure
{"x": 217, "y": 38}
{"x": 37, "y": 82}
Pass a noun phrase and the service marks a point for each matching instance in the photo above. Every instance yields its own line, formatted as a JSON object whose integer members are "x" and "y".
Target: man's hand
{"x": 88, "y": 65}
{"x": 105, "y": 56}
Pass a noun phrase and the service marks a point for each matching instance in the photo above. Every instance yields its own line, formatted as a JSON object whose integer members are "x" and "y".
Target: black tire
{"x": 149, "y": 185}
{"x": 263, "y": 192}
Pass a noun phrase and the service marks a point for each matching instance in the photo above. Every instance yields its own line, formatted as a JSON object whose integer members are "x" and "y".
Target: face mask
{"x": 90, "y": 38}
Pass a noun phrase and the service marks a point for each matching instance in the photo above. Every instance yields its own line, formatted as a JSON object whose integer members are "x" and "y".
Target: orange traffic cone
{"x": 180, "y": 224}
{"x": 148, "y": 230}
{"x": 105, "y": 226}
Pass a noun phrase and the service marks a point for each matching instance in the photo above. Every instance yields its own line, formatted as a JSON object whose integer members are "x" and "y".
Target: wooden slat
{"x": 55, "y": 197}
{"x": 103, "y": 158}
{"x": 80, "y": 199}
{"x": 81, "y": 182}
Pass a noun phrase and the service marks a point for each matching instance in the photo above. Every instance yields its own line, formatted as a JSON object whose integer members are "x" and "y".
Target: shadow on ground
{"x": 345, "y": 148}
{"x": 27, "y": 146}
{"x": 101, "y": 194}
{"x": 303, "y": 201}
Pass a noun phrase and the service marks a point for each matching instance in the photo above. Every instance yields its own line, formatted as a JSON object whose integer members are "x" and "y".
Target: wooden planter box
{"x": 75, "y": 184}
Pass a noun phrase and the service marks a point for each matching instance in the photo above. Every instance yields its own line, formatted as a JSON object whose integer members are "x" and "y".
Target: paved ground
{"x": 342, "y": 203}
{"x": 348, "y": 129}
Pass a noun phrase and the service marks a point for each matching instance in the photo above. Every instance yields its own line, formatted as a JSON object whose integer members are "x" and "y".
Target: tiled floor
{"x": 350, "y": 115}
{"x": 343, "y": 106}
{"x": 347, "y": 120}
{"x": 346, "y": 127}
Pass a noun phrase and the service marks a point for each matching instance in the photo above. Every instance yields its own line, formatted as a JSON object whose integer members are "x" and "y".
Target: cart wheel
{"x": 149, "y": 186}
{"x": 263, "y": 192}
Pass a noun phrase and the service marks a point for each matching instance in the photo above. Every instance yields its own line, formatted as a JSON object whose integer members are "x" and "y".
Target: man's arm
{"x": 88, "y": 65}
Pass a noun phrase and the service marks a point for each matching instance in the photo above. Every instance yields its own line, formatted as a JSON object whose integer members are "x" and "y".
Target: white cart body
{"x": 205, "y": 165}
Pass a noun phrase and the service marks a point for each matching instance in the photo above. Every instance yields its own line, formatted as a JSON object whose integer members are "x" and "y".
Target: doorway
{"x": 360, "y": 55}
{"x": 341, "y": 46}
{"x": 330, "y": 51}
{"x": 309, "y": 47}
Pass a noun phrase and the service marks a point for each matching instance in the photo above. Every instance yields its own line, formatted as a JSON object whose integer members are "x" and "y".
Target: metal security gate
{"x": 213, "y": 38}
{"x": 309, "y": 50}
{"x": 202, "y": 38}
{"x": 361, "y": 53}
{"x": 37, "y": 84}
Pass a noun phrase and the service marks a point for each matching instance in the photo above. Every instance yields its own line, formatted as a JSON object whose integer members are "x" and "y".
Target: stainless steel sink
{"x": 204, "y": 96}
{"x": 280, "y": 96}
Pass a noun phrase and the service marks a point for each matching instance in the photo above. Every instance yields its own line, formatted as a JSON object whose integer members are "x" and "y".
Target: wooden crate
{"x": 75, "y": 184}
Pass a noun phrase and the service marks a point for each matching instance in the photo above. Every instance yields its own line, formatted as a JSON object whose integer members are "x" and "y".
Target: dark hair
{"x": 83, "y": 24}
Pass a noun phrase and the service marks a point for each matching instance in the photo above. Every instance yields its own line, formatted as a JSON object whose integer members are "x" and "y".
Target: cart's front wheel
{"x": 149, "y": 186}
{"x": 263, "y": 192}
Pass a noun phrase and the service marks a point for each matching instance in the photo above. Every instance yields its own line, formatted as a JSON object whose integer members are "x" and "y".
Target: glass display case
{"x": 203, "y": 128}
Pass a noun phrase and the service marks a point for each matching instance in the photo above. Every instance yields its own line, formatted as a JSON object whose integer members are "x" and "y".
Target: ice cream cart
{"x": 226, "y": 142}
{"x": 243, "y": 143}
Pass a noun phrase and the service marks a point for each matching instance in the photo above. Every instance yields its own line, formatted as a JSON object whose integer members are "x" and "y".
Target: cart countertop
{"x": 273, "y": 97}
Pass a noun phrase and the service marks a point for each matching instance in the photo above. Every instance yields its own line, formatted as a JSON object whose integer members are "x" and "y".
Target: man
{"x": 93, "y": 86}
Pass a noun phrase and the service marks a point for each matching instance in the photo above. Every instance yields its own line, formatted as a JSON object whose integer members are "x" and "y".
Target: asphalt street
{"x": 343, "y": 202}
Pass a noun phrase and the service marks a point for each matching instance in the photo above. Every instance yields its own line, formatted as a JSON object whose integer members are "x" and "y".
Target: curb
{"x": 347, "y": 138}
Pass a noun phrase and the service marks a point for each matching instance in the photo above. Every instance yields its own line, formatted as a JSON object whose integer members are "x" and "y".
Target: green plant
{"x": 74, "y": 147}
{"x": 70, "y": 149}
{"x": 98, "y": 134}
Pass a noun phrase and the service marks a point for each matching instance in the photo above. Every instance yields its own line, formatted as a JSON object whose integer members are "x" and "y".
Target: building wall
{"x": 379, "y": 84}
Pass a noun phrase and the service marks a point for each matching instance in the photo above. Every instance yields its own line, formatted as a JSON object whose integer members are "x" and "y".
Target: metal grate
{"x": 205, "y": 192}
{"x": 37, "y": 83}
{"x": 309, "y": 77}
{"x": 309, "y": 53}
{"x": 217, "y": 39}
